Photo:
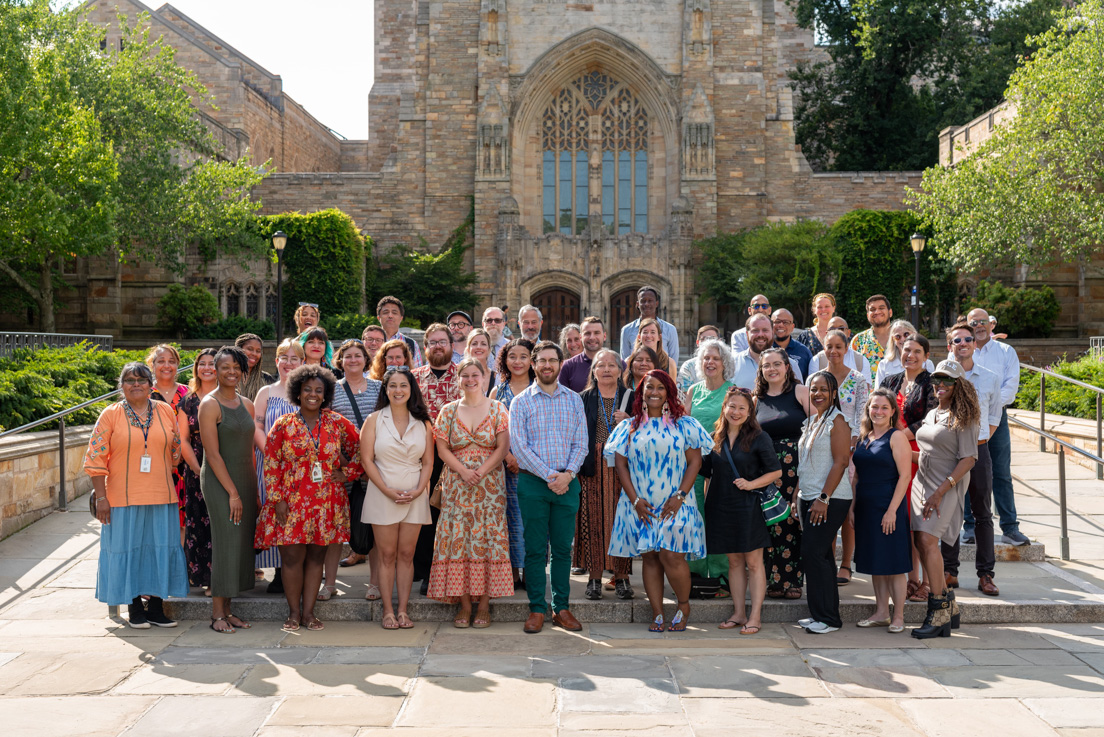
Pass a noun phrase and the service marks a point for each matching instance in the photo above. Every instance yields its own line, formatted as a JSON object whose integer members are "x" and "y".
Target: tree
{"x": 902, "y": 70}
{"x": 1033, "y": 192}
{"x": 103, "y": 151}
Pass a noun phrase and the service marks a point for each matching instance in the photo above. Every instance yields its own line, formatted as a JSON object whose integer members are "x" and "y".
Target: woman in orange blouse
{"x": 309, "y": 455}
{"x": 134, "y": 448}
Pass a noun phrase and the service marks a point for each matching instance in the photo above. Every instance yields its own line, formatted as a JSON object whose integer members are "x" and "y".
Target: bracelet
{"x": 101, "y": 499}
{"x": 638, "y": 499}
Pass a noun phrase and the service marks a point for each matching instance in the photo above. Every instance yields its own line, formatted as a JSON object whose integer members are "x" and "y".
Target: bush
{"x": 186, "y": 311}
{"x": 1063, "y": 398}
{"x": 235, "y": 325}
{"x": 1022, "y": 313}
{"x": 36, "y": 383}
{"x": 347, "y": 325}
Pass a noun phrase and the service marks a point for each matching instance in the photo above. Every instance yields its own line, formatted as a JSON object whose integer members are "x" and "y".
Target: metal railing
{"x": 10, "y": 342}
{"x": 1096, "y": 347}
{"x": 1043, "y": 374}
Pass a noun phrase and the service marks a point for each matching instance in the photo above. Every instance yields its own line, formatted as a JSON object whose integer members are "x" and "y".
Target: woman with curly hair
{"x": 392, "y": 353}
{"x": 657, "y": 452}
{"x": 948, "y": 450}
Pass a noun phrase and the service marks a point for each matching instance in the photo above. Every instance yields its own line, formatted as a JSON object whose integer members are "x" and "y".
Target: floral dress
{"x": 318, "y": 513}
{"x": 656, "y": 452}
{"x": 176, "y": 401}
{"x": 197, "y": 522}
{"x": 853, "y": 393}
{"x": 471, "y": 553}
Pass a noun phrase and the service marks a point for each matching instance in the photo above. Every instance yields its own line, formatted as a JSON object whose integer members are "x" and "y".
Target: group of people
{"x": 474, "y": 463}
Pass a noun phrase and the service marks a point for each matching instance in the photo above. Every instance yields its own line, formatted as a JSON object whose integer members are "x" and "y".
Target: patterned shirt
{"x": 116, "y": 448}
{"x": 415, "y": 350}
{"x": 548, "y": 432}
{"x": 866, "y": 344}
{"x": 437, "y": 392}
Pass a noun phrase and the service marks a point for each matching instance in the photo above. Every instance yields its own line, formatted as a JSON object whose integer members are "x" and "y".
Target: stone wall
{"x": 30, "y": 477}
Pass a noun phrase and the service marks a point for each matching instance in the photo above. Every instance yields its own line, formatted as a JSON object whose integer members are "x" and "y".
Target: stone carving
{"x": 697, "y": 137}
{"x": 492, "y": 146}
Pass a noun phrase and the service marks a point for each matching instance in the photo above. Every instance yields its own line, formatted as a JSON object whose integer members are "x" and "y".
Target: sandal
{"x": 794, "y": 593}
{"x": 242, "y": 624}
{"x": 373, "y": 593}
{"x": 775, "y": 593}
{"x": 326, "y": 592}
{"x": 482, "y": 620}
{"x": 228, "y": 630}
{"x": 657, "y": 624}
{"x": 353, "y": 559}
{"x": 390, "y": 622}
{"x": 749, "y": 629}
{"x": 729, "y": 623}
{"x": 678, "y": 622}
{"x": 462, "y": 621}
{"x": 722, "y": 593}
{"x": 291, "y": 624}
{"x": 840, "y": 580}
{"x": 921, "y": 593}
{"x": 405, "y": 622}
{"x": 314, "y": 624}
{"x": 910, "y": 588}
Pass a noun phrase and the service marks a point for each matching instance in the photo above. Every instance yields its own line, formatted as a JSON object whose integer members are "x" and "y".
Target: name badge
{"x": 145, "y": 465}
{"x": 316, "y": 472}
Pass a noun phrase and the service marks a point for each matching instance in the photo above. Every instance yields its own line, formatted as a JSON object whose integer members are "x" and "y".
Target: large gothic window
{"x": 595, "y": 125}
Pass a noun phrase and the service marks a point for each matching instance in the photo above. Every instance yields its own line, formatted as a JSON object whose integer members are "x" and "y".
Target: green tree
{"x": 1033, "y": 192}
{"x": 186, "y": 311}
{"x": 103, "y": 152}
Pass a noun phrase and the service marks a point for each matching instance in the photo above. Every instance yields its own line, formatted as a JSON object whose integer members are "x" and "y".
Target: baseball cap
{"x": 950, "y": 368}
{"x": 462, "y": 314}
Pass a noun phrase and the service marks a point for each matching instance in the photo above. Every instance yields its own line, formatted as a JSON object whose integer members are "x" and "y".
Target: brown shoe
{"x": 986, "y": 585}
{"x": 535, "y": 623}
{"x": 952, "y": 581}
{"x": 564, "y": 618}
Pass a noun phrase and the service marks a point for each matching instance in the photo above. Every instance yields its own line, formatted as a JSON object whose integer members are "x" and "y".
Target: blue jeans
{"x": 1000, "y": 450}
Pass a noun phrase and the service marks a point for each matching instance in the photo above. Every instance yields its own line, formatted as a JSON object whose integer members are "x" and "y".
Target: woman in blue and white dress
{"x": 658, "y": 452}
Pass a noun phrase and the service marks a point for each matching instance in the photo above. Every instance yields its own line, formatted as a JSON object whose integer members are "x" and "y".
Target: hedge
{"x": 1063, "y": 398}
{"x": 1022, "y": 313}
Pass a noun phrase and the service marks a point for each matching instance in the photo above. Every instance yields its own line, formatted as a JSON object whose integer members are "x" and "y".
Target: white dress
{"x": 400, "y": 463}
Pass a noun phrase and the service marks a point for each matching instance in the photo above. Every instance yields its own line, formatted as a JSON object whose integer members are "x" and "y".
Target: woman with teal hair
{"x": 316, "y": 346}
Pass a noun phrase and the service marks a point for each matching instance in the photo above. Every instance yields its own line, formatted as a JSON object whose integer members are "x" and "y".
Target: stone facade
{"x": 30, "y": 475}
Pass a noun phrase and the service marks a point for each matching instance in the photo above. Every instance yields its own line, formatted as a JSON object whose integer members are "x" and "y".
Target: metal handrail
{"x": 1043, "y": 374}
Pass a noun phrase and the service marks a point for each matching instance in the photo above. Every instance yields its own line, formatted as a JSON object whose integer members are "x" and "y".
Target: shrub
{"x": 186, "y": 311}
{"x": 1063, "y": 398}
{"x": 235, "y": 325}
{"x": 1022, "y": 313}
{"x": 347, "y": 325}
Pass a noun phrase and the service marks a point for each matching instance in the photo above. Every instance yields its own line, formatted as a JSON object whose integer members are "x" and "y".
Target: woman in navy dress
{"x": 883, "y": 470}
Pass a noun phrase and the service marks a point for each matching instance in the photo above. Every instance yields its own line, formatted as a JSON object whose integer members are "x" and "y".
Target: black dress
{"x": 876, "y": 479}
{"x": 733, "y": 517}
{"x": 781, "y": 418}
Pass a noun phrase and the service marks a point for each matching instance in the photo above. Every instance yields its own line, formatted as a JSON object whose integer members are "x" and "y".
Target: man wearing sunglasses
{"x": 1001, "y": 359}
{"x": 760, "y": 305}
{"x": 960, "y": 346}
{"x": 494, "y": 322}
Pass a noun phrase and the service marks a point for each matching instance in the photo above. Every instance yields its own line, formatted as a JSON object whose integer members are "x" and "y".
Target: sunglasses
{"x": 494, "y": 320}
{"x": 308, "y": 304}
{"x": 975, "y": 323}
{"x": 761, "y": 307}
{"x": 964, "y": 339}
{"x": 943, "y": 381}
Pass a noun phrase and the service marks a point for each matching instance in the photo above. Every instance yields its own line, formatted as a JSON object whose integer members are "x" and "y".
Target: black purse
{"x": 361, "y": 538}
{"x": 775, "y": 509}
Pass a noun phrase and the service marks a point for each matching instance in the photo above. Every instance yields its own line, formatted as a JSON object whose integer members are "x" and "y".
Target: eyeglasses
{"x": 975, "y": 323}
{"x": 459, "y": 325}
{"x": 943, "y": 381}
{"x": 396, "y": 370}
{"x": 782, "y": 322}
{"x": 546, "y": 361}
{"x": 494, "y": 320}
{"x": 761, "y": 307}
{"x": 438, "y": 343}
{"x": 135, "y": 381}
{"x": 308, "y": 304}
{"x": 900, "y": 337}
{"x": 963, "y": 339}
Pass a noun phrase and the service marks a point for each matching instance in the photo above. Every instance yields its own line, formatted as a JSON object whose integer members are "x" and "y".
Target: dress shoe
{"x": 952, "y": 581}
{"x": 424, "y": 588}
{"x": 986, "y": 585}
{"x": 535, "y": 622}
{"x": 576, "y": 571}
{"x": 564, "y": 618}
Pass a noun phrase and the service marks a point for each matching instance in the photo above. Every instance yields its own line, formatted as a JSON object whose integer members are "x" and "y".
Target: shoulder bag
{"x": 361, "y": 539}
{"x": 775, "y": 509}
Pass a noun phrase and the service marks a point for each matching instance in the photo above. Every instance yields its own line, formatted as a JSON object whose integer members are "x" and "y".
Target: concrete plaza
{"x": 68, "y": 669}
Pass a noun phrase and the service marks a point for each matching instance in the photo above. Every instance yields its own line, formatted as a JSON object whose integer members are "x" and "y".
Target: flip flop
{"x": 390, "y": 622}
{"x": 729, "y": 624}
{"x": 243, "y": 625}
{"x": 220, "y": 631}
{"x": 749, "y": 629}
{"x": 290, "y": 625}
{"x": 405, "y": 622}
{"x": 678, "y": 622}
{"x": 657, "y": 625}
{"x": 314, "y": 624}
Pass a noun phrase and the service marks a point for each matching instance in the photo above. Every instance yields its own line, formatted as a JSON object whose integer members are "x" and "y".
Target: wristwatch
{"x": 951, "y": 481}
{"x": 823, "y": 498}
{"x": 682, "y": 494}
{"x": 572, "y": 474}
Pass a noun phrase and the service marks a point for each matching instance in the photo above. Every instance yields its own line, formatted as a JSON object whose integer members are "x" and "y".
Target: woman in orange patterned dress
{"x": 471, "y": 553}
{"x": 309, "y": 455}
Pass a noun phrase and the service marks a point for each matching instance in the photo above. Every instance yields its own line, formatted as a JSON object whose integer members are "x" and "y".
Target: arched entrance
{"x": 622, "y": 311}
{"x": 559, "y": 307}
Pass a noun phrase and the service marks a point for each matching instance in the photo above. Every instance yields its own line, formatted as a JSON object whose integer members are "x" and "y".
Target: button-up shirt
{"x": 575, "y": 372}
{"x": 437, "y": 392}
{"x": 548, "y": 432}
{"x": 866, "y": 344}
{"x": 799, "y": 353}
{"x": 747, "y": 366}
{"x": 740, "y": 341}
{"x": 670, "y": 338}
{"x": 988, "y": 390}
{"x": 1001, "y": 359}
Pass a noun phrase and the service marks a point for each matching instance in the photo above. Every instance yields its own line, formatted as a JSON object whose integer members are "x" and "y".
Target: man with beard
{"x": 530, "y": 321}
{"x": 872, "y": 343}
{"x": 459, "y": 325}
{"x": 760, "y": 333}
{"x": 783, "y": 324}
{"x": 576, "y": 370}
{"x": 759, "y": 305}
{"x": 548, "y": 437}
{"x": 647, "y": 302}
{"x": 494, "y": 322}
{"x": 390, "y": 312}
{"x": 439, "y": 385}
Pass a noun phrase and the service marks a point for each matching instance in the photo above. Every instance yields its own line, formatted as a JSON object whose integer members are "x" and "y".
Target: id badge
{"x": 146, "y": 464}
{"x": 316, "y": 472}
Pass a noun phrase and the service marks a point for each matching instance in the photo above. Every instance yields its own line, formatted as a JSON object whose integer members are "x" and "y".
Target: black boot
{"x": 155, "y": 613}
{"x": 137, "y": 614}
{"x": 956, "y": 616}
{"x": 277, "y": 585}
{"x": 937, "y": 623}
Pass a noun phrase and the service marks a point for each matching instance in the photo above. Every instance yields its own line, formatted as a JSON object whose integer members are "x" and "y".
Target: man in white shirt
{"x": 647, "y": 302}
{"x": 852, "y": 359}
{"x": 760, "y": 305}
{"x": 960, "y": 347}
{"x": 494, "y": 322}
{"x": 1001, "y": 359}
{"x": 760, "y": 334}
{"x": 530, "y": 321}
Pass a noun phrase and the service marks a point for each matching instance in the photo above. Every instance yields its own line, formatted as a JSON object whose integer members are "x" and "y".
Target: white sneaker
{"x": 819, "y": 628}
{"x": 805, "y": 622}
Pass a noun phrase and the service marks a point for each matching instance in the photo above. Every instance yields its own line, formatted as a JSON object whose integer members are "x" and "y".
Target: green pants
{"x": 549, "y": 520}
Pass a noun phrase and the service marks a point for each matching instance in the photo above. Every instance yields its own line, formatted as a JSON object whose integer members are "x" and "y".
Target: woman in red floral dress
{"x": 309, "y": 455}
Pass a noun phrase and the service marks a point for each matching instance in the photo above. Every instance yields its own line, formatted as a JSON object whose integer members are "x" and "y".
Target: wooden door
{"x": 559, "y": 307}
{"x": 622, "y": 310}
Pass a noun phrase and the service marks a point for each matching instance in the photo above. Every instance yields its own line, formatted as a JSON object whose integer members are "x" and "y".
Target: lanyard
{"x": 607, "y": 417}
{"x": 132, "y": 416}
{"x": 310, "y": 433}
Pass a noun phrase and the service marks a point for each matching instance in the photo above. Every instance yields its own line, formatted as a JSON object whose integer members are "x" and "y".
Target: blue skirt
{"x": 140, "y": 554}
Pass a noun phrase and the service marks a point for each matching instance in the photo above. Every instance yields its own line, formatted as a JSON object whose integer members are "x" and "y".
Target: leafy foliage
{"x": 347, "y": 325}
{"x": 1022, "y": 313}
{"x": 36, "y": 383}
{"x": 186, "y": 311}
{"x": 231, "y": 327}
{"x": 1063, "y": 398}
{"x": 1033, "y": 192}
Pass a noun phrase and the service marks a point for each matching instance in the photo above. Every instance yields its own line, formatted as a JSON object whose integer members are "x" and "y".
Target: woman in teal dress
{"x": 704, "y": 400}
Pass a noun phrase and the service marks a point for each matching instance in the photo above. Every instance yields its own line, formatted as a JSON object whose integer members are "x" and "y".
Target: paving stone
{"x": 55, "y": 716}
{"x": 996, "y": 657}
{"x": 946, "y": 719}
{"x": 327, "y": 731}
{"x": 54, "y": 603}
{"x": 665, "y": 731}
{"x": 187, "y": 716}
{"x": 858, "y": 658}
{"x": 757, "y": 676}
{"x": 661, "y": 723}
{"x": 939, "y": 658}
{"x": 480, "y": 702}
{"x": 459, "y": 732}
{"x": 6, "y": 658}
{"x": 328, "y": 680}
{"x": 1095, "y": 660}
{"x": 605, "y": 694}
{"x": 610, "y": 666}
{"x": 328, "y": 710}
{"x": 260, "y": 636}
{"x": 366, "y": 655}
{"x": 1032, "y": 681}
{"x": 176, "y": 655}
{"x": 137, "y": 647}
{"x": 69, "y": 628}
{"x": 50, "y": 546}
{"x": 513, "y": 666}
{"x": 182, "y": 679}
{"x": 852, "y": 638}
{"x": 976, "y": 636}
{"x": 793, "y": 717}
{"x": 1070, "y": 642}
{"x": 359, "y": 634}
{"x": 62, "y": 674}
{"x": 1068, "y": 713}
{"x": 548, "y": 642}
{"x": 1047, "y": 657}
{"x": 639, "y": 631}
{"x": 893, "y": 681}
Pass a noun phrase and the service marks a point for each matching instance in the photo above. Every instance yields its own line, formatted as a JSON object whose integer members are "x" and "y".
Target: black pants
{"x": 818, "y": 556}
{"x": 423, "y": 553}
{"x": 979, "y": 495}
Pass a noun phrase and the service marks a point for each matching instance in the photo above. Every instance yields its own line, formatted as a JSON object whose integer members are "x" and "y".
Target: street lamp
{"x": 918, "y": 241}
{"x": 279, "y": 240}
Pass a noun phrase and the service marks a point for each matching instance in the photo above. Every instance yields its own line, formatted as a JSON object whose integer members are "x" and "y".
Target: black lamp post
{"x": 918, "y": 241}
{"x": 279, "y": 240}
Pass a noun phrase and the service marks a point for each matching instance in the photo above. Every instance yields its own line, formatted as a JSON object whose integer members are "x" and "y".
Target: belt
{"x": 983, "y": 442}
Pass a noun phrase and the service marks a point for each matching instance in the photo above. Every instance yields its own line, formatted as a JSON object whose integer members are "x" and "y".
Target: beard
{"x": 760, "y": 344}
{"x": 439, "y": 357}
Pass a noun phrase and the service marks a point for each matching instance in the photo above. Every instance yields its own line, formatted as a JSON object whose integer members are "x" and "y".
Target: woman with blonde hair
{"x": 392, "y": 353}
{"x": 824, "y": 309}
{"x": 478, "y": 348}
{"x": 891, "y": 363}
{"x": 651, "y": 336}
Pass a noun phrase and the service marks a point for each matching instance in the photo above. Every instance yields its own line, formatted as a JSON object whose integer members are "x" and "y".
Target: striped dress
{"x": 276, "y": 408}
{"x": 513, "y": 511}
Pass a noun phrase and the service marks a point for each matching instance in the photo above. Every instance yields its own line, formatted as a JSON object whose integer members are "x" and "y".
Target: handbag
{"x": 435, "y": 495}
{"x": 775, "y": 509}
{"x": 361, "y": 539}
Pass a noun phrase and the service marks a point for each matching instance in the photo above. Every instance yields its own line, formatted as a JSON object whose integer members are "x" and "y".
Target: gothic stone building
{"x": 596, "y": 138}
